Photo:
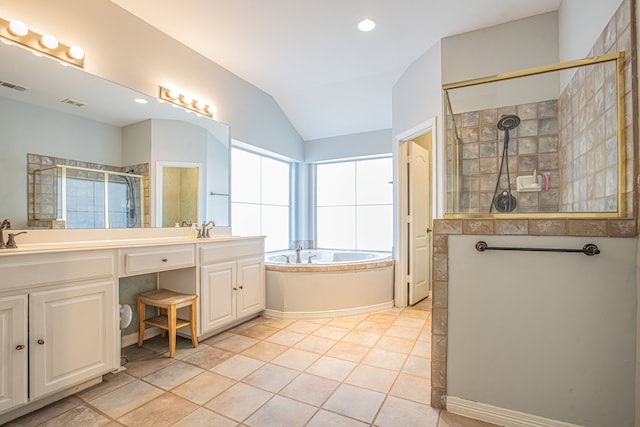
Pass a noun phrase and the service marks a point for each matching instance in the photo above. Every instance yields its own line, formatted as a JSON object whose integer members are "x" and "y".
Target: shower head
{"x": 508, "y": 122}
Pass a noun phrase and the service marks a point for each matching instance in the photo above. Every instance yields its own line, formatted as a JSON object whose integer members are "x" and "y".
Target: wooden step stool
{"x": 168, "y": 302}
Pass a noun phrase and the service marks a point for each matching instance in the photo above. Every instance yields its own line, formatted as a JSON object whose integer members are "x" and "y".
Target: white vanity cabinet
{"x": 232, "y": 283}
{"x": 13, "y": 351}
{"x": 59, "y": 326}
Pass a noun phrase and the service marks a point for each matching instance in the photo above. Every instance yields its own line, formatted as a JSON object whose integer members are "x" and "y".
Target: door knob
{"x": 40, "y": 341}
{"x": 20, "y": 347}
{"x": 429, "y": 230}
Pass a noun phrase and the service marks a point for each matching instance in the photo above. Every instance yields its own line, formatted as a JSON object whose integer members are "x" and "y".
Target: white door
{"x": 251, "y": 288}
{"x": 218, "y": 295}
{"x": 13, "y": 351}
{"x": 73, "y": 335}
{"x": 419, "y": 220}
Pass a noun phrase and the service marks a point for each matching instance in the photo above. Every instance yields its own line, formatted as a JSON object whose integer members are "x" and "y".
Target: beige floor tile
{"x": 418, "y": 314}
{"x": 173, "y": 375}
{"x": 385, "y": 359}
{"x": 162, "y": 411}
{"x": 217, "y": 338}
{"x": 80, "y": 416}
{"x": 345, "y": 322}
{"x": 315, "y": 344}
{"x": 403, "y": 332}
{"x": 411, "y": 387}
{"x": 372, "y": 327}
{"x": 310, "y": 389}
{"x": 184, "y": 348}
{"x": 331, "y": 332}
{"x": 202, "y": 417}
{"x": 265, "y": 351}
{"x": 285, "y": 337}
{"x": 409, "y": 322}
{"x": 48, "y": 412}
{"x": 372, "y": 378}
{"x": 204, "y": 387}
{"x": 133, "y": 352}
{"x": 419, "y": 366}
{"x": 386, "y": 318}
{"x": 109, "y": 382}
{"x": 356, "y": 402}
{"x": 398, "y": 345}
{"x": 281, "y": 411}
{"x": 348, "y": 351}
{"x": 236, "y": 343}
{"x": 303, "y": 327}
{"x": 143, "y": 367}
{"x": 296, "y": 359}
{"x": 259, "y": 332}
{"x": 399, "y": 412}
{"x": 209, "y": 357}
{"x": 422, "y": 349}
{"x": 325, "y": 418}
{"x": 126, "y": 398}
{"x": 271, "y": 377}
{"x": 239, "y": 401}
{"x": 362, "y": 338}
{"x": 276, "y": 323}
{"x": 237, "y": 367}
{"x": 332, "y": 368}
{"x": 425, "y": 334}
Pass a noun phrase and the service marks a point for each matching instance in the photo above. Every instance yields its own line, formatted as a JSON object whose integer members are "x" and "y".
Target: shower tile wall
{"x": 44, "y": 198}
{"x": 533, "y": 145}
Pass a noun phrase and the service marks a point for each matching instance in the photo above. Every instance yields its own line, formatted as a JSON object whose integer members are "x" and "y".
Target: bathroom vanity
{"x": 59, "y": 310}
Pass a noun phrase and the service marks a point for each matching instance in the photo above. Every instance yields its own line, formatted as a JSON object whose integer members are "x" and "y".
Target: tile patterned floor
{"x": 356, "y": 371}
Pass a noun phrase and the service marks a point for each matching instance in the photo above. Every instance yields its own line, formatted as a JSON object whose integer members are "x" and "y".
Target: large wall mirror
{"x": 52, "y": 114}
{"x": 546, "y": 141}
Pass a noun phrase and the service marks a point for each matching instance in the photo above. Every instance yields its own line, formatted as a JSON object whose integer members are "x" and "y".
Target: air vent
{"x": 73, "y": 102}
{"x": 13, "y": 86}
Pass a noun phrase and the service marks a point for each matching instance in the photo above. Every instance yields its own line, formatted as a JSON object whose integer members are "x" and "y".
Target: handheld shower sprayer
{"x": 505, "y": 202}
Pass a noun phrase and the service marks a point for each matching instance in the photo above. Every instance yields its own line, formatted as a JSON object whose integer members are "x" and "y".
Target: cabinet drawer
{"x": 214, "y": 252}
{"x": 147, "y": 260}
{"x": 44, "y": 269}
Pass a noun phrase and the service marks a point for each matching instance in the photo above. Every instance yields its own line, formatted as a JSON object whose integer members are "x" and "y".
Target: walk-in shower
{"x": 505, "y": 201}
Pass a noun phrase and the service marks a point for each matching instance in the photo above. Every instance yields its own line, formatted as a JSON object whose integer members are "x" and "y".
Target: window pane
{"x": 336, "y": 184}
{"x": 245, "y": 176}
{"x": 275, "y": 182}
{"x": 375, "y": 228}
{"x": 374, "y": 179}
{"x": 245, "y": 219}
{"x": 336, "y": 227}
{"x": 275, "y": 225}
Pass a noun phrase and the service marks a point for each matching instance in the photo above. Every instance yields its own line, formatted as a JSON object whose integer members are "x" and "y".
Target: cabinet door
{"x": 13, "y": 351}
{"x": 217, "y": 295}
{"x": 73, "y": 335}
{"x": 251, "y": 288}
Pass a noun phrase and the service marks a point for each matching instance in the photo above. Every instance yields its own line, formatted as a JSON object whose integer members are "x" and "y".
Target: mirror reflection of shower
{"x": 505, "y": 201}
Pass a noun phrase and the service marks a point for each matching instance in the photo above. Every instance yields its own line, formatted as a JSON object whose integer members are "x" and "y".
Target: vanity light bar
{"x": 18, "y": 32}
{"x": 187, "y": 102}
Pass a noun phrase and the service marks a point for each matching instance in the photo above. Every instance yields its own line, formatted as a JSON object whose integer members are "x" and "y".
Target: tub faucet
{"x": 309, "y": 260}
{"x": 11, "y": 243}
{"x": 298, "y": 249}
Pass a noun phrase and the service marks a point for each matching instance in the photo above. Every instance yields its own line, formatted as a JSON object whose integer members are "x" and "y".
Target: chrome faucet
{"x": 309, "y": 260}
{"x": 298, "y": 249}
{"x": 6, "y": 224}
{"x": 11, "y": 243}
{"x": 204, "y": 231}
{"x": 185, "y": 223}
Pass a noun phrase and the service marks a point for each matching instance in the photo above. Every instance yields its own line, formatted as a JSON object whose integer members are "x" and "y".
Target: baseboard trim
{"x": 328, "y": 314}
{"x": 500, "y": 416}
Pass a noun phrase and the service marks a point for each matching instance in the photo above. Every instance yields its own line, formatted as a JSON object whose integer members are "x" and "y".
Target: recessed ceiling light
{"x": 140, "y": 101}
{"x": 366, "y": 24}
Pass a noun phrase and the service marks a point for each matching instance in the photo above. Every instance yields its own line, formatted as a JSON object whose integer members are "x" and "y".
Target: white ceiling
{"x": 329, "y": 78}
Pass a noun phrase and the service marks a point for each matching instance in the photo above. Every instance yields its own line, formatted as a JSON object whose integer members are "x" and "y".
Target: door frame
{"x": 401, "y": 235}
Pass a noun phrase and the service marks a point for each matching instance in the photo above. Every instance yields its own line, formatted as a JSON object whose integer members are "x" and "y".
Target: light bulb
{"x": 140, "y": 100}
{"x": 367, "y": 24}
{"x": 18, "y": 28}
{"x": 49, "y": 41}
{"x": 201, "y": 105}
{"x": 173, "y": 94}
{"x": 187, "y": 99}
{"x": 212, "y": 109}
{"x": 76, "y": 52}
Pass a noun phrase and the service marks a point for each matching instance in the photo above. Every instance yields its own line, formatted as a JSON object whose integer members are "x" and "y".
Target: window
{"x": 354, "y": 204}
{"x": 260, "y": 198}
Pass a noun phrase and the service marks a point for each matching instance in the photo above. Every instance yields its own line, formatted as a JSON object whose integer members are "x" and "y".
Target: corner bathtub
{"x": 334, "y": 284}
